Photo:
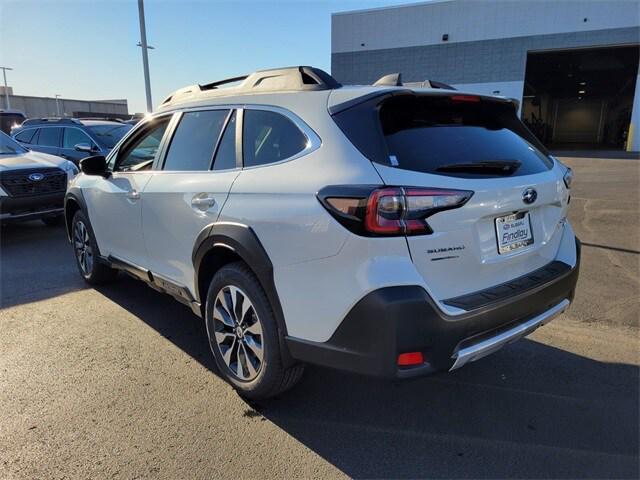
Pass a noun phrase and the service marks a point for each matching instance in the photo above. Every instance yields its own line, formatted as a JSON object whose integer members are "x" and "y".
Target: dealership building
{"x": 573, "y": 65}
{"x": 40, "y": 107}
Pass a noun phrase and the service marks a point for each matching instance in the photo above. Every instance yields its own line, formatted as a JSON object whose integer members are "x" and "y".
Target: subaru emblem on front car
{"x": 36, "y": 177}
{"x": 529, "y": 196}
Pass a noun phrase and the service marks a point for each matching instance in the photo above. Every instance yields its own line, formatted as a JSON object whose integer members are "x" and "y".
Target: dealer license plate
{"x": 513, "y": 232}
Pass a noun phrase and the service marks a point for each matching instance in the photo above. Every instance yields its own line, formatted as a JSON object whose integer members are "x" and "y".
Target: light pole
{"x": 145, "y": 56}
{"x": 6, "y": 89}
{"x": 57, "y": 105}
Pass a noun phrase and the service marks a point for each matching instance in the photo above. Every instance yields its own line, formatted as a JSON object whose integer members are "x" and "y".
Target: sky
{"x": 87, "y": 49}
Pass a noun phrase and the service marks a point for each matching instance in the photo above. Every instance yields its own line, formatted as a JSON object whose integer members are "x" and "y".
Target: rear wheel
{"x": 243, "y": 335}
{"x": 86, "y": 250}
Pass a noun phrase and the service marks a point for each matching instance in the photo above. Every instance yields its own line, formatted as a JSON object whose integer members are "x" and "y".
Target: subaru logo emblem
{"x": 529, "y": 196}
{"x": 36, "y": 177}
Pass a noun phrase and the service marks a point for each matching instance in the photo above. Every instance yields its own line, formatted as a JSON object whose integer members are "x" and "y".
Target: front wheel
{"x": 243, "y": 335}
{"x": 85, "y": 249}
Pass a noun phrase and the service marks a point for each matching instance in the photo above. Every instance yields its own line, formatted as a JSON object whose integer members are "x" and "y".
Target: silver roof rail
{"x": 301, "y": 78}
{"x": 60, "y": 120}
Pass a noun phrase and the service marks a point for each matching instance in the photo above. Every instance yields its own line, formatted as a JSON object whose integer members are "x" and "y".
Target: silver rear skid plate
{"x": 490, "y": 345}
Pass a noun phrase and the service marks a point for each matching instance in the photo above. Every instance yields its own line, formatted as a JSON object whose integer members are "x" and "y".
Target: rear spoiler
{"x": 383, "y": 94}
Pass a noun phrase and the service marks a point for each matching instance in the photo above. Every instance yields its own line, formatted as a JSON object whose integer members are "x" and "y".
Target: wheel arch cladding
{"x": 222, "y": 243}
{"x": 73, "y": 201}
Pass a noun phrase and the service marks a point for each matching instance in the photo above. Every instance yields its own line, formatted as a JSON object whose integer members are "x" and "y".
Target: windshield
{"x": 8, "y": 146}
{"x": 108, "y": 135}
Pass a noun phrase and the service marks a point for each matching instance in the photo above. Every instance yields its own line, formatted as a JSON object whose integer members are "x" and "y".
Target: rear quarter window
{"x": 269, "y": 137}
{"x": 26, "y": 136}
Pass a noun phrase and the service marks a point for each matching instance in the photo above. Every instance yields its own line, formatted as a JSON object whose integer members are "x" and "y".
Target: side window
{"x": 226, "y": 154}
{"x": 195, "y": 140}
{"x": 26, "y": 136}
{"x": 74, "y": 136}
{"x": 269, "y": 137}
{"x": 49, "y": 137}
{"x": 141, "y": 150}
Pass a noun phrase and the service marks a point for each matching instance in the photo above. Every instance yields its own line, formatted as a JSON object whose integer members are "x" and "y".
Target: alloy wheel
{"x": 238, "y": 333}
{"x": 82, "y": 247}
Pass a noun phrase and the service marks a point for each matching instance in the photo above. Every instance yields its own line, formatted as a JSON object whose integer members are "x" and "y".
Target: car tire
{"x": 53, "y": 221}
{"x": 85, "y": 250}
{"x": 244, "y": 336}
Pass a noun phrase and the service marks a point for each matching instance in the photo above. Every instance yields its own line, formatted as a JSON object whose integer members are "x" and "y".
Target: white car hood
{"x": 29, "y": 160}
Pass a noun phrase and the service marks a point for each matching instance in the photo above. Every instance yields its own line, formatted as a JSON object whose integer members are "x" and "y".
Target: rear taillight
{"x": 465, "y": 98}
{"x": 367, "y": 210}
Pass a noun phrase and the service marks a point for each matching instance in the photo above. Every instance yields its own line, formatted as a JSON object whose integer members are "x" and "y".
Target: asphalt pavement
{"x": 118, "y": 382}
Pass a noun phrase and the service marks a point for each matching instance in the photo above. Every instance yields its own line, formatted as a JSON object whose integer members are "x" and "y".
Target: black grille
{"x": 18, "y": 184}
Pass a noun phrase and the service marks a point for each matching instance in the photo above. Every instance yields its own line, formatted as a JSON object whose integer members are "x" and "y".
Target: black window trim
{"x": 313, "y": 139}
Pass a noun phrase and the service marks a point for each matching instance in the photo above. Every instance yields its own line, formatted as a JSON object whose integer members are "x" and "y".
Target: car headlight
{"x": 71, "y": 169}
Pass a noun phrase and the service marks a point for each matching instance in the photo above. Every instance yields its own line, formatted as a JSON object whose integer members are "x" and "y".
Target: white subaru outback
{"x": 382, "y": 230}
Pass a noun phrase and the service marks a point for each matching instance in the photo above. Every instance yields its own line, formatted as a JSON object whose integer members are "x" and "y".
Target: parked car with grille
{"x": 32, "y": 184}
{"x": 70, "y": 138}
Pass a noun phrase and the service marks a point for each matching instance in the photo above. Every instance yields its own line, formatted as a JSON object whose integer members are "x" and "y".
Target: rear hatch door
{"x": 511, "y": 224}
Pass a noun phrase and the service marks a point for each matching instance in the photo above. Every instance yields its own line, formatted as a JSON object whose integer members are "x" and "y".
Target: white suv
{"x": 377, "y": 229}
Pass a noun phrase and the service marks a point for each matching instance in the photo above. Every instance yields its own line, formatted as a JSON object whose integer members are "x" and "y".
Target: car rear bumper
{"x": 16, "y": 209}
{"x": 395, "y": 320}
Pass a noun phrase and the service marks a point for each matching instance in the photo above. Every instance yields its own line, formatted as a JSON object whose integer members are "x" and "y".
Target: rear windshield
{"x": 458, "y": 135}
{"x": 108, "y": 135}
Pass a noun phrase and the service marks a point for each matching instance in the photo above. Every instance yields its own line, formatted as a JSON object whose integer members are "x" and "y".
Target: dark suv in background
{"x": 70, "y": 138}
{"x": 9, "y": 119}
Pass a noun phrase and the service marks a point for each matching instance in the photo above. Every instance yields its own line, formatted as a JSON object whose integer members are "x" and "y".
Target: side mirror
{"x": 96, "y": 165}
{"x": 83, "y": 147}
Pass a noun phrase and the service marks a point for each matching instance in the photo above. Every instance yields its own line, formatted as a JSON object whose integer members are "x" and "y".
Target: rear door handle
{"x": 133, "y": 195}
{"x": 203, "y": 201}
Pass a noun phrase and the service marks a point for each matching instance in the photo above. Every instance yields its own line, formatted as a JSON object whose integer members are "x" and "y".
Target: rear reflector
{"x": 411, "y": 358}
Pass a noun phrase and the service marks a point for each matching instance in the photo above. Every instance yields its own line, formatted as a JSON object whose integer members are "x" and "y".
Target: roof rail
{"x": 395, "y": 80}
{"x": 36, "y": 121}
{"x": 108, "y": 119}
{"x": 301, "y": 78}
{"x": 218, "y": 83}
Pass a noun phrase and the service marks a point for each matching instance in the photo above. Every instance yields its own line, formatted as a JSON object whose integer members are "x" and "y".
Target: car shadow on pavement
{"x": 530, "y": 410}
{"x": 36, "y": 263}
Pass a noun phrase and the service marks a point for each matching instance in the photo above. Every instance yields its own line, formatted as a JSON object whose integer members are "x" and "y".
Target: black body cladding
{"x": 394, "y": 320}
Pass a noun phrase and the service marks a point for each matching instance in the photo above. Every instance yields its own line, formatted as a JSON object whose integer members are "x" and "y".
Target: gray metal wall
{"x": 479, "y": 61}
{"x": 46, "y": 107}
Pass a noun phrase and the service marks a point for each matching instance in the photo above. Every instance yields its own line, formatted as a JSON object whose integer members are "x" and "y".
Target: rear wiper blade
{"x": 503, "y": 167}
